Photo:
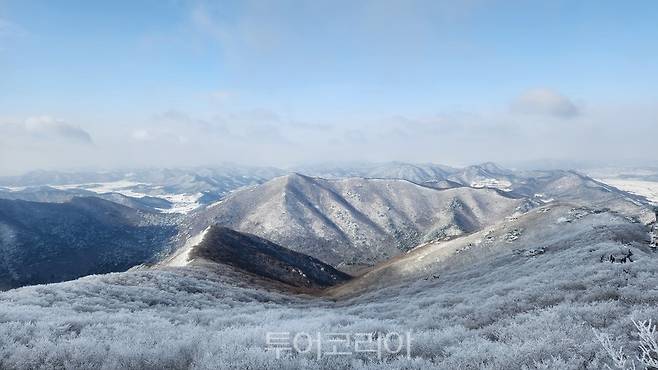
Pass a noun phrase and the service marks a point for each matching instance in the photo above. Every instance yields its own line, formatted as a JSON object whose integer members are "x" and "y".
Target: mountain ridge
{"x": 378, "y": 217}
{"x": 256, "y": 255}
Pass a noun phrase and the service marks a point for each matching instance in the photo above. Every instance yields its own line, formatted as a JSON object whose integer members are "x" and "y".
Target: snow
{"x": 217, "y": 203}
{"x": 182, "y": 256}
{"x": 524, "y": 292}
{"x": 648, "y": 189}
{"x": 121, "y": 187}
{"x": 181, "y": 203}
{"x": 492, "y": 183}
{"x": 14, "y": 188}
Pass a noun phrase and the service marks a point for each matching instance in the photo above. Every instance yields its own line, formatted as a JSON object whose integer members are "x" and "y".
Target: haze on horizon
{"x": 184, "y": 83}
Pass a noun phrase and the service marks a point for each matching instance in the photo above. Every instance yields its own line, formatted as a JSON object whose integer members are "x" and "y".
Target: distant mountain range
{"x": 168, "y": 190}
{"x": 47, "y": 194}
{"x": 182, "y": 190}
{"x": 352, "y": 218}
{"x": 483, "y": 266}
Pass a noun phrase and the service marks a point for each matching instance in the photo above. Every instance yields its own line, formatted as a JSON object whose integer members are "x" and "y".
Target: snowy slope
{"x": 494, "y": 283}
{"x": 545, "y": 230}
{"x": 182, "y": 257}
{"x": 643, "y": 188}
{"x": 492, "y": 306}
{"x": 354, "y": 221}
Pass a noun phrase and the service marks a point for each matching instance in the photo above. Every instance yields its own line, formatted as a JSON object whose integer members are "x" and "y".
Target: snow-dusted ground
{"x": 181, "y": 203}
{"x": 493, "y": 306}
{"x": 13, "y": 188}
{"x": 503, "y": 185}
{"x": 123, "y": 187}
{"x": 182, "y": 256}
{"x": 648, "y": 189}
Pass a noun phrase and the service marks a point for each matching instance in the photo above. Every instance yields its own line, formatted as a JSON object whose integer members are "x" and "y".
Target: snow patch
{"x": 182, "y": 256}
{"x": 503, "y": 185}
{"x": 180, "y": 203}
{"x": 647, "y": 189}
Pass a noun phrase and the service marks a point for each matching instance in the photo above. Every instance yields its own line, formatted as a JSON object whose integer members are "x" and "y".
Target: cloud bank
{"x": 559, "y": 129}
{"x": 547, "y": 102}
{"x": 48, "y": 127}
{"x": 45, "y": 128}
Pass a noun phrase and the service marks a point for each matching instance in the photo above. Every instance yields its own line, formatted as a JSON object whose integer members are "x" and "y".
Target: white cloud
{"x": 46, "y": 127}
{"x": 265, "y": 137}
{"x": 44, "y": 142}
{"x": 177, "y": 128}
{"x": 547, "y": 102}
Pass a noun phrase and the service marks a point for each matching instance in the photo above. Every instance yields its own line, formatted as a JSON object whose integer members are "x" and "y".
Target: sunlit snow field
{"x": 648, "y": 189}
{"x": 180, "y": 203}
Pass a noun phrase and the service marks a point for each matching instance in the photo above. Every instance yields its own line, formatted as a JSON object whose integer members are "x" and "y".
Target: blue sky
{"x": 345, "y": 80}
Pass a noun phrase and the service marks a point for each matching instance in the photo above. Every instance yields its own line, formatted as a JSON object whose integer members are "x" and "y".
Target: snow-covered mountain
{"x": 354, "y": 222}
{"x": 486, "y": 175}
{"x": 417, "y": 173}
{"x": 578, "y": 189}
{"x": 192, "y": 179}
{"x": 531, "y": 292}
{"x": 47, "y": 194}
{"x": 486, "y": 267}
{"x": 183, "y": 190}
{"x": 350, "y": 223}
{"x": 542, "y": 233}
{"x": 179, "y": 190}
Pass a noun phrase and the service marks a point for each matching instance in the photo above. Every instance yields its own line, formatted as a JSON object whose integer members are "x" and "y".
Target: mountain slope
{"x": 50, "y": 242}
{"x": 486, "y": 175}
{"x": 354, "y": 221}
{"x": 553, "y": 185}
{"x": 491, "y": 306}
{"x": 578, "y": 189}
{"x": 539, "y": 233}
{"x": 260, "y": 257}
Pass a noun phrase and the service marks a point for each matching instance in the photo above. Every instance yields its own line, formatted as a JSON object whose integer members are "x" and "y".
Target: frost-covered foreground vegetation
{"x": 534, "y": 312}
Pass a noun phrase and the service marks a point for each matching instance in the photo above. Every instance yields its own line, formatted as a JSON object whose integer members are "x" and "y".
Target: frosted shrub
{"x": 648, "y": 347}
{"x": 502, "y": 314}
{"x": 619, "y": 359}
